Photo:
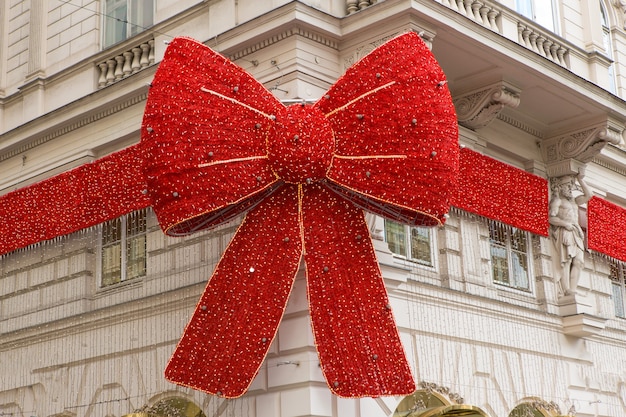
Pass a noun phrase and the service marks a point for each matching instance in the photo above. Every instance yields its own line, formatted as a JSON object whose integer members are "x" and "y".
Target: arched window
{"x": 608, "y": 47}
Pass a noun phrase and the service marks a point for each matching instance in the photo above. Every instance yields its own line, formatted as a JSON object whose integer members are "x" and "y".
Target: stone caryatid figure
{"x": 565, "y": 231}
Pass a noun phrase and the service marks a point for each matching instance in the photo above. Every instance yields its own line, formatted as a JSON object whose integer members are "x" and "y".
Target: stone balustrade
{"x": 541, "y": 42}
{"x": 482, "y": 12}
{"x": 124, "y": 64}
{"x": 498, "y": 18}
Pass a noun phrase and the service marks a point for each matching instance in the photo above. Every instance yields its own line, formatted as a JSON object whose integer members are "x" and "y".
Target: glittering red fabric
{"x": 85, "y": 196}
{"x": 358, "y": 344}
{"x": 502, "y": 192}
{"x": 606, "y": 228}
{"x": 236, "y": 319}
{"x": 383, "y": 138}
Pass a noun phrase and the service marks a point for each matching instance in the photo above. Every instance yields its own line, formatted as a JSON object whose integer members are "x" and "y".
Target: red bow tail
{"x": 236, "y": 319}
{"x": 357, "y": 341}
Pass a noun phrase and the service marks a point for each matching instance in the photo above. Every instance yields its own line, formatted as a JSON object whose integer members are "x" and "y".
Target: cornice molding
{"x": 76, "y": 124}
{"x": 287, "y": 33}
{"x": 520, "y": 125}
{"x": 608, "y": 163}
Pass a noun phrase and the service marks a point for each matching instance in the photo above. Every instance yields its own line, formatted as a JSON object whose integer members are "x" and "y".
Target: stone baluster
{"x": 539, "y": 42}
{"x": 467, "y": 8}
{"x": 476, "y": 12}
{"x": 151, "y": 54}
{"x": 547, "y": 43}
{"x": 119, "y": 73}
{"x": 145, "y": 51}
{"x": 136, "y": 66}
{"x": 351, "y": 6}
{"x": 363, "y": 4}
{"x": 128, "y": 59}
{"x": 102, "y": 80}
{"x": 533, "y": 41}
{"x": 492, "y": 16}
{"x": 561, "y": 54}
{"x": 110, "y": 71}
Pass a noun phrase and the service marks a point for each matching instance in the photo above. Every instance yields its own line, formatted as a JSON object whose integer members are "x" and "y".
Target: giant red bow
{"x": 383, "y": 138}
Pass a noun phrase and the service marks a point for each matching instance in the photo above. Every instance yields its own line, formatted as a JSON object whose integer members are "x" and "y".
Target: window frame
{"x": 124, "y": 248}
{"x": 607, "y": 42}
{"x": 510, "y": 250}
{"x": 133, "y": 25}
{"x": 408, "y": 246}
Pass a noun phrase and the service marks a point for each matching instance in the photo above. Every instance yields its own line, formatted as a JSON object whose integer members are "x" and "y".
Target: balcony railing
{"x": 481, "y": 12}
{"x": 502, "y": 20}
{"x": 124, "y": 64}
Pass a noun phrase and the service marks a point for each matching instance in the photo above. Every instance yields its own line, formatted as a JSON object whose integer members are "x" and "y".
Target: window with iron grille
{"x": 510, "y": 255}
{"x": 412, "y": 243}
{"x": 123, "y": 252}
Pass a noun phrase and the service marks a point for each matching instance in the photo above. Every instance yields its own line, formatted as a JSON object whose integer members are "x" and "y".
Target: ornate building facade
{"x": 497, "y": 319}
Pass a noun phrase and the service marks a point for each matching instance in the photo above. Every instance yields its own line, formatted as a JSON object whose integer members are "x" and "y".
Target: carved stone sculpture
{"x": 565, "y": 231}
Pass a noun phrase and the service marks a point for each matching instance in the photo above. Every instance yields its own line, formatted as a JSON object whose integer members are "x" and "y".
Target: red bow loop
{"x": 396, "y": 133}
{"x": 205, "y": 128}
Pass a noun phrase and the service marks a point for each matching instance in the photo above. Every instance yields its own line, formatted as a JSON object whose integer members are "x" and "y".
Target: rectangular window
{"x": 126, "y": 18}
{"x": 618, "y": 272}
{"x": 541, "y": 11}
{"x": 123, "y": 255}
{"x": 413, "y": 243}
{"x": 510, "y": 254}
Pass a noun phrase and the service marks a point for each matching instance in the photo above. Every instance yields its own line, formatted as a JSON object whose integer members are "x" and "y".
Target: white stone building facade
{"x": 88, "y": 320}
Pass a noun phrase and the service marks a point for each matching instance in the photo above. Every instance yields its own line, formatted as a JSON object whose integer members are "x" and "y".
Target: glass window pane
{"x": 519, "y": 271}
{"x": 141, "y": 15}
{"x": 112, "y": 231}
{"x": 518, "y": 240}
{"x": 124, "y": 252}
{"x": 115, "y": 26}
{"x": 395, "y": 237}
{"x": 618, "y": 300}
{"x": 420, "y": 245}
{"x": 111, "y": 264}
{"x": 499, "y": 264}
{"x": 136, "y": 257}
{"x": 525, "y": 8}
{"x": 544, "y": 13}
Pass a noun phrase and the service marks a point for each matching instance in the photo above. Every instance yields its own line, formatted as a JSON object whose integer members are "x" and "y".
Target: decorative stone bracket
{"x": 477, "y": 108}
{"x": 581, "y": 146}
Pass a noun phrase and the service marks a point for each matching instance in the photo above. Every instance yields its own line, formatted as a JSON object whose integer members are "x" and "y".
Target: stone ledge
{"x": 583, "y": 325}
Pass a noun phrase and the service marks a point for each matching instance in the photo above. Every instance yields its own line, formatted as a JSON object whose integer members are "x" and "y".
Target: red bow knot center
{"x": 300, "y": 145}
